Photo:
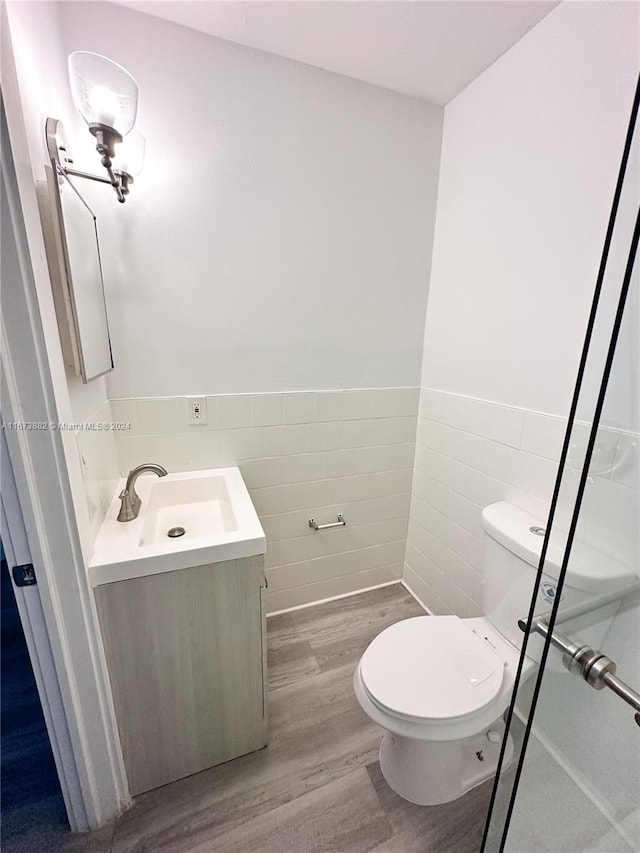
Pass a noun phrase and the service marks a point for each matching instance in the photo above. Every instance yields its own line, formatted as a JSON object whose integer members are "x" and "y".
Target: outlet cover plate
{"x": 196, "y": 411}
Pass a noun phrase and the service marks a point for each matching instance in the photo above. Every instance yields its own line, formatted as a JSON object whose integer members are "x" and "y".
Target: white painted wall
{"x": 530, "y": 156}
{"x": 279, "y": 238}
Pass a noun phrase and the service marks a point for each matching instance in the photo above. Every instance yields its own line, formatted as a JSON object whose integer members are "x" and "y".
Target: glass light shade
{"x": 130, "y": 154}
{"x": 103, "y": 91}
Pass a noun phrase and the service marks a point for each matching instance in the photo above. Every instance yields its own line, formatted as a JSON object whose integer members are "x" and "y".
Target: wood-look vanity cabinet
{"x": 186, "y": 652}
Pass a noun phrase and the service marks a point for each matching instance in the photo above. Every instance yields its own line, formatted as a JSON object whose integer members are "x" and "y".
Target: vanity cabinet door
{"x": 185, "y": 652}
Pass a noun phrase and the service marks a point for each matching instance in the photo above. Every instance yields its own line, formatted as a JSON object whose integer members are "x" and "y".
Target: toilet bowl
{"x": 442, "y": 712}
{"x": 439, "y": 685}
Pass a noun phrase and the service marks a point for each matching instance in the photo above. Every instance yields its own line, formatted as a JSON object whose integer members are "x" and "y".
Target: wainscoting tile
{"x": 125, "y": 411}
{"x": 406, "y": 402}
{"x": 335, "y": 565}
{"x": 430, "y": 406}
{"x": 233, "y": 411}
{"x": 336, "y": 541}
{"x": 238, "y": 444}
{"x": 326, "y": 436}
{"x": 414, "y": 577}
{"x": 362, "y": 433}
{"x": 470, "y": 453}
{"x": 328, "y": 406}
{"x": 310, "y": 495}
{"x": 299, "y": 408}
{"x": 302, "y": 454}
{"x": 295, "y": 523}
{"x": 373, "y": 485}
{"x": 284, "y": 440}
{"x": 267, "y": 409}
{"x": 383, "y": 403}
{"x": 356, "y": 404}
{"x": 346, "y": 463}
{"x": 395, "y": 430}
{"x": 309, "y": 593}
{"x": 506, "y": 425}
{"x": 478, "y": 417}
{"x": 283, "y": 470}
{"x": 454, "y": 410}
{"x": 542, "y": 435}
{"x": 194, "y": 450}
{"x": 163, "y": 415}
{"x": 134, "y": 450}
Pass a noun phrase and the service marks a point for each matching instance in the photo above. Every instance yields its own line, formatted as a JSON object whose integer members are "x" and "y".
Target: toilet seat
{"x": 431, "y": 668}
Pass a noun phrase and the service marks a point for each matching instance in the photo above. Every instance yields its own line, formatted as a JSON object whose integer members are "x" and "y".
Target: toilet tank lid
{"x": 510, "y": 526}
{"x": 587, "y": 569}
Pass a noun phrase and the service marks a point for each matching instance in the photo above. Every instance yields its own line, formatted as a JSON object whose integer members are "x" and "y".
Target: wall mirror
{"x": 73, "y": 252}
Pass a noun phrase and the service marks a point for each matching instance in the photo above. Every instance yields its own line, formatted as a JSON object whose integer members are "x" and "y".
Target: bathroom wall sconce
{"x": 106, "y": 96}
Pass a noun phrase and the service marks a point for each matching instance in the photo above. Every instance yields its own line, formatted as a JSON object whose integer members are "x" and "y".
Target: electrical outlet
{"x": 196, "y": 411}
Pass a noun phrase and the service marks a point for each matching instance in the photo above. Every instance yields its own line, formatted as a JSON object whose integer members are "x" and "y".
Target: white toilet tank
{"x": 511, "y": 558}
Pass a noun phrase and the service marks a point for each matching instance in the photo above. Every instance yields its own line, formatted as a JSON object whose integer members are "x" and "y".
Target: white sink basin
{"x": 200, "y": 505}
{"x": 212, "y": 507}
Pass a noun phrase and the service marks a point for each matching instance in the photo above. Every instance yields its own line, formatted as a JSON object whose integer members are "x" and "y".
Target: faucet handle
{"x": 130, "y": 499}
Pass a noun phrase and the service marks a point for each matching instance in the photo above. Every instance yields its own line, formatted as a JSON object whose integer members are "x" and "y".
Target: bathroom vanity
{"x": 183, "y": 625}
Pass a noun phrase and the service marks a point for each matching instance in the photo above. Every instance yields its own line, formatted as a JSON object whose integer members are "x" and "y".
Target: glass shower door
{"x": 574, "y": 784}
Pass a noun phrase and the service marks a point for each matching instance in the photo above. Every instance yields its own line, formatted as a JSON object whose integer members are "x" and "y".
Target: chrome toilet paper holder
{"x": 339, "y": 523}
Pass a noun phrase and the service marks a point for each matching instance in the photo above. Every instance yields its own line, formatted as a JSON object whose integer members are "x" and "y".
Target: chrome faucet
{"x": 130, "y": 506}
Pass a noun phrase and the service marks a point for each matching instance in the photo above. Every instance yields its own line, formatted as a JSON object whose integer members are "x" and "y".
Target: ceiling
{"x": 430, "y": 49}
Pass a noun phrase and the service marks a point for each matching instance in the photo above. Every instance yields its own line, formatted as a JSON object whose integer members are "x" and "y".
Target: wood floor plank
{"x": 455, "y": 826}
{"x": 289, "y": 663}
{"x": 338, "y": 647}
{"x": 343, "y": 815}
{"x": 342, "y": 619}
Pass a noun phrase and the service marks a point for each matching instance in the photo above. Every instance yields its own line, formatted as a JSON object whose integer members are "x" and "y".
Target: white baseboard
{"x": 417, "y": 598}
{"x": 332, "y": 598}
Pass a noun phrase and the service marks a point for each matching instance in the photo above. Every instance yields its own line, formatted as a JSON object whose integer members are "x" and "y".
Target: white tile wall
{"x": 470, "y": 453}
{"x": 99, "y": 464}
{"x": 301, "y": 455}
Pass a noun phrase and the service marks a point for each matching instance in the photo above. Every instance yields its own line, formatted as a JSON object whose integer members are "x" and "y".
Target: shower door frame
{"x": 631, "y": 261}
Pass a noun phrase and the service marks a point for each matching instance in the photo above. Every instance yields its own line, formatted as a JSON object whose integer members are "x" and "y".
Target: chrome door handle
{"x": 594, "y": 667}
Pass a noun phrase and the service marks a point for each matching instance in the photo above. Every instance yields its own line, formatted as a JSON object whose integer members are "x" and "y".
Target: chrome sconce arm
{"x": 106, "y": 139}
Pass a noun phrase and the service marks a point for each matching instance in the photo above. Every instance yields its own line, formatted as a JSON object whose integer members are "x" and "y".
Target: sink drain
{"x": 174, "y": 532}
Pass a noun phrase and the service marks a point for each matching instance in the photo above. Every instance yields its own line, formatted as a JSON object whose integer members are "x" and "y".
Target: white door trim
{"x": 61, "y": 627}
{"x": 16, "y": 547}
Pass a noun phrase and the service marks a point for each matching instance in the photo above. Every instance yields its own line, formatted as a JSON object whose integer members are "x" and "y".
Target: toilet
{"x": 439, "y": 685}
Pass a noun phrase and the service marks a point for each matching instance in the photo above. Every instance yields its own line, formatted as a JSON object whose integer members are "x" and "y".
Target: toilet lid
{"x": 431, "y": 667}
